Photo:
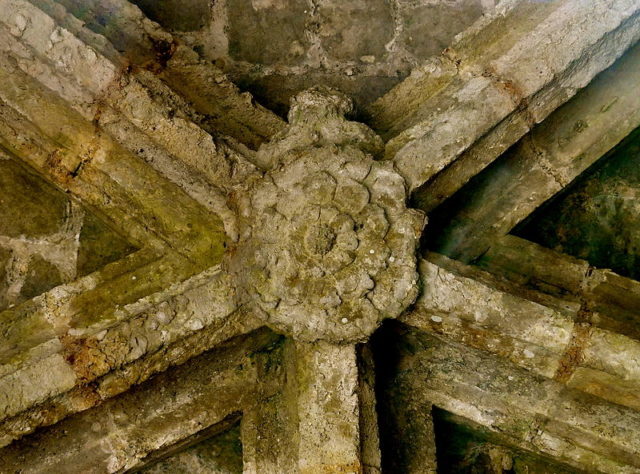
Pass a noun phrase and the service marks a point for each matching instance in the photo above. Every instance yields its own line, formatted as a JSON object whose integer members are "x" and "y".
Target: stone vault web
{"x": 281, "y": 305}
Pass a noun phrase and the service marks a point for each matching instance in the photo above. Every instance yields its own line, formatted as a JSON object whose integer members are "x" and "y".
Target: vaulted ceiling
{"x": 190, "y": 282}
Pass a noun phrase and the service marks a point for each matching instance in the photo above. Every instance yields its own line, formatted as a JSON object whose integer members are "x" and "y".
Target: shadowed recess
{"x": 221, "y": 453}
{"x": 597, "y": 218}
{"x": 466, "y": 449}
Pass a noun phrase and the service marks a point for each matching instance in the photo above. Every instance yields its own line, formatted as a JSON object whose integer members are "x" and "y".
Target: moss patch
{"x": 99, "y": 245}
{"x": 30, "y": 206}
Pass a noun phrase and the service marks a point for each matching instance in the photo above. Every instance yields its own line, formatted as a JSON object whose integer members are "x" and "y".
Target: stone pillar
{"x": 323, "y": 421}
{"x": 328, "y": 408}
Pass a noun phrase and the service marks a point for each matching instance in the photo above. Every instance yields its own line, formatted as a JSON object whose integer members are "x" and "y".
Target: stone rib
{"x": 121, "y": 433}
{"x": 68, "y": 150}
{"x": 535, "y": 413}
{"x": 433, "y": 117}
{"x": 542, "y": 163}
{"x": 153, "y": 333}
{"x": 134, "y": 106}
{"x": 221, "y": 107}
{"x": 613, "y": 300}
{"x": 553, "y": 342}
{"x": 323, "y": 421}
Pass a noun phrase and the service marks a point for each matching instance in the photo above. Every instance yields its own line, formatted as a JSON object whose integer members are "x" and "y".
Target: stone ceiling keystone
{"x": 327, "y": 247}
{"x": 269, "y": 254}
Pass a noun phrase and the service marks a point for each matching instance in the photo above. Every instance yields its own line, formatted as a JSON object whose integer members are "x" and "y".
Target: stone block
{"x": 99, "y": 245}
{"x": 352, "y": 29}
{"x": 41, "y": 276}
{"x": 267, "y": 31}
{"x": 430, "y": 27}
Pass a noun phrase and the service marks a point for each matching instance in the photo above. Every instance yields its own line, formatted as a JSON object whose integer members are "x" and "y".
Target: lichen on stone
{"x": 328, "y": 245}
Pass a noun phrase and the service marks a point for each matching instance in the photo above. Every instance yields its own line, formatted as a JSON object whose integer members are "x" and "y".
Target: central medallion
{"x": 328, "y": 246}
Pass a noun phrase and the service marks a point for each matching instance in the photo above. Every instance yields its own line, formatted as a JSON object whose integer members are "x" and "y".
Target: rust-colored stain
{"x": 574, "y": 354}
{"x": 514, "y": 91}
{"x": 84, "y": 356}
{"x": 61, "y": 175}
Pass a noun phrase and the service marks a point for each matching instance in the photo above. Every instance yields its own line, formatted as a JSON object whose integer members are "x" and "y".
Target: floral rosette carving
{"x": 328, "y": 245}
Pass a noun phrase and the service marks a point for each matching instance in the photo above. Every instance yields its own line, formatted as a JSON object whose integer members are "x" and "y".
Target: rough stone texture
{"x": 609, "y": 301}
{"x": 501, "y": 63}
{"x": 327, "y": 247}
{"x": 329, "y": 426}
{"x": 597, "y": 218}
{"x": 98, "y": 245}
{"x": 324, "y": 419}
{"x": 541, "y": 164}
{"x": 277, "y": 48}
{"x": 252, "y": 26}
{"x": 219, "y": 105}
{"x": 46, "y": 238}
{"x": 467, "y": 447}
{"x": 167, "y": 329}
{"x": 551, "y": 337}
{"x": 429, "y": 27}
{"x": 355, "y": 29}
{"x": 528, "y": 411}
{"x": 25, "y": 194}
{"x": 119, "y": 434}
{"x": 145, "y": 117}
{"x": 97, "y": 169}
{"x": 220, "y": 454}
{"x": 540, "y": 354}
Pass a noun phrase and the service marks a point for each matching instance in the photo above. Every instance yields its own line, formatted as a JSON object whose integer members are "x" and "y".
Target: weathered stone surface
{"x": 328, "y": 244}
{"x": 434, "y": 116}
{"x": 99, "y": 245}
{"x": 361, "y": 47}
{"x": 269, "y": 431}
{"x": 356, "y": 28}
{"x": 24, "y": 194}
{"x": 328, "y": 409}
{"x": 136, "y": 108}
{"x": 534, "y": 413}
{"x": 596, "y": 219}
{"x": 429, "y": 27}
{"x": 5, "y": 260}
{"x": 553, "y": 338}
{"x": 120, "y": 433}
{"x": 41, "y": 230}
{"x": 611, "y": 300}
{"x": 152, "y": 334}
{"x": 251, "y": 30}
{"x": 276, "y": 89}
{"x": 466, "y": 446}
{"x": 137, "y": 195}
{"x": 251, "y": 27}
{"x": 542, "y": 373}
{"x": 323, "y": 421}
{"x": 220, "y": 454}
{"x": 40, "y": 277}
{"x": 540, "y": 165}
{"x": 220, "y": 106}
{"x": 534, "y": 266}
